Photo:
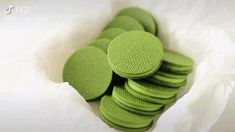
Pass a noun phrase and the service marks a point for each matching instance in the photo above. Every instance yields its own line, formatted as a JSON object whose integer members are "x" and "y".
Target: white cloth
{"x": 36, "y": 41}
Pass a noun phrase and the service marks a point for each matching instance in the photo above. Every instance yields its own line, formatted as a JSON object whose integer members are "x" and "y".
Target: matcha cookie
{"x": 135, "y": 54}
{"x": 124, "y": 22}
{"x": 142, "y": 16}
{"x": 88, "y": 71}
{"x": 111, "y": 33}
{"x": 120, "y": 118}
{"x": 101, "y": 44}
{"x": 129, "y": 102}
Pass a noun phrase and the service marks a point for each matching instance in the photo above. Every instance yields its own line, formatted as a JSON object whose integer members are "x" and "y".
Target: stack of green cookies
{"x": 128, "y": 49}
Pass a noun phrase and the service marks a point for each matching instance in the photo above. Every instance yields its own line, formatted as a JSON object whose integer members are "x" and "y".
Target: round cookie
{"x": 168, "y": 79}
{"x": 181, "y": 70}
{"x": 137, "y": 111}
{"x": 162, "y": 81}
{"x": 101, "y": 43}
{"x": 121, "y": 117}
{"x": 150, "y": 98}
{"x": 124, "y": 22}
{"x": 152, "y": 90}
{"x": 177, "y": 59}
{"x": 124, "y": 129}
{"x": 135, "y": 54}
{"x": 88, "y": 71}
{"x": 170, "y": 75}
{"x": 111, "y": 33}
{"x": 142, "y": 16}
{"x": 129, "y": 102}
{"x": 156, "y": 25}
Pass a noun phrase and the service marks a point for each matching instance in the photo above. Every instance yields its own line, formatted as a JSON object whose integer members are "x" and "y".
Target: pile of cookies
{"x": 129, "y": 50}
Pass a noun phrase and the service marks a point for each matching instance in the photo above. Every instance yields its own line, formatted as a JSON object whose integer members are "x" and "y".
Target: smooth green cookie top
{"x": 142, "y": 16}
{"x": 135, "y": 54}
{"x": 88, "y": 71}
{"x": 124, "y": 22}
{"x": 177, "y": 59}
{"x": 120, "y": 93}
{"x": 111, "y": 33}
{"x": 101, "y": 43}
{"x": 122, "y": 117}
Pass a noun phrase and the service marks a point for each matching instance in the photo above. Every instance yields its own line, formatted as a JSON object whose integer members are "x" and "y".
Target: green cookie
{"x": 121, "y": 117}
{"x": 170, "y": 75}
{"x": 166, "y": 81}
{"x": 124, "y": 129}
{"x": 142, "y": 16}
{"x": 135, "y": 54}
{"x": 153, "y": 113}
{"x": 101, "y": 43}
{"x": 129, "y": 102}
{"x": 177, "y": 59}
{"x": 150, "y": 98}
{"x": 152, "y": 90}
{"x": 156, "y": 25}
{"x": 88, "y": 71}
{"x": 166, "y": 84}
{"x": 124, "y": 22}
{"x": 111, "y": 33}
{"x": 180, "y": 70}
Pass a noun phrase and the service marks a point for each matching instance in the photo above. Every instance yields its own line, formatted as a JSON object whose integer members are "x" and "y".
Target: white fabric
{"x": 35, "y": 43}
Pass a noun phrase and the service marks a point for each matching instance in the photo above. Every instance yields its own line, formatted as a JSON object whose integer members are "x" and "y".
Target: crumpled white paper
{"x": 35, "y": 43}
